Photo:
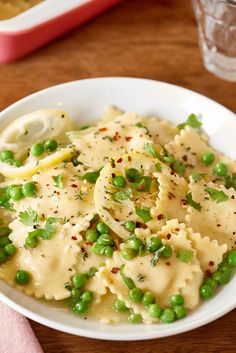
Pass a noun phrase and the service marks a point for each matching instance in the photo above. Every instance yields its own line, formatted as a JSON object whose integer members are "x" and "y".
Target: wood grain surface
{"x": 154, "y": 39}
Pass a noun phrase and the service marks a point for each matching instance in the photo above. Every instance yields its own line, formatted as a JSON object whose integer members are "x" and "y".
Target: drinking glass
{"x": 216, "y": 21}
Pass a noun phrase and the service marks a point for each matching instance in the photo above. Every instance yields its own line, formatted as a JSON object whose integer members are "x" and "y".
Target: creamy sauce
{"x": 12, "y": 8}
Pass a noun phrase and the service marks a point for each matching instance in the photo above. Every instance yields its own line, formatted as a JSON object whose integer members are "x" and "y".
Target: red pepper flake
{"x": 74, "y": 185}
{"x": 185, "y": 158}
{"x": 177, "y": 229}
{"x": 218, "y": 225}
{"x": 168, "y": 263}
{"x": 119, "y": 160}
{"x": 89, "y": 243}
{"x": 141, "y": 225}
{"x": 115, "y": 270}
{"x": 128, "y": 138}
{"x": 102, "y": 129}
{"x": 172, "y": 172}
{"x": 168, "y": 236}
{"x": 113, "y": 175}
{"x": 74, "y": 237}
{"x": 116, "y": 137}
{"x": 211, "y": 263}
{"x": 160, "y": 217}
{"x": 208, "y": 273}
{"x": 129, "y": 158}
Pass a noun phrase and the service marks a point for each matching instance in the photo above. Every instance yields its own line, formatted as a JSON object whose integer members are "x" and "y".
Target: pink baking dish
{"x": 37, "y": 26}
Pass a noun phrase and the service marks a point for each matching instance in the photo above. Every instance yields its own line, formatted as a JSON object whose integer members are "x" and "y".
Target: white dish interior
{"x": 85, "y": 101}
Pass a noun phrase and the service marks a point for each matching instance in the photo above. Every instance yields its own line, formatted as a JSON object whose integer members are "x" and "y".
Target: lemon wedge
{"x": 19, "y": 135}
{"x": 33, "y": 166}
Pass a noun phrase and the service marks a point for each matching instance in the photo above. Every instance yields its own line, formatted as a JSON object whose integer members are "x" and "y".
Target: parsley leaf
{"x": 230, "y": 181}
{"x": 191, "y": 202}
{"x": 185, "y": 255}
{"x": 58, "y": 179}
{"x": 150, "y": 149}
{"x": 122, "y": 195}
{"x": 29, "y": 217}
{"x": 217, "y": 195}
{"x": 84, "y": 127}
{"x": 140, "y": 125}
{"x": 192, "y": 121}
{"x": 91, "y": 177}
{"x": 197, "y": 176}
{"x": 49, "y": 228}
{"x": 127, "y": 280}
{"x": 179, "y": 167}
{"x": 143, "y": 213}
{"x": 143, "y": 184}
{"x": 158, "y": 167}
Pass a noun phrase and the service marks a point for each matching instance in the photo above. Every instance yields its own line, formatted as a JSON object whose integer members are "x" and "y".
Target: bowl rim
{"x": 99, "y": 334}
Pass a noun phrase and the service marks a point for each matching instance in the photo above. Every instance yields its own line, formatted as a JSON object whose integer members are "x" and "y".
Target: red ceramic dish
{"x": 37, "y": 26}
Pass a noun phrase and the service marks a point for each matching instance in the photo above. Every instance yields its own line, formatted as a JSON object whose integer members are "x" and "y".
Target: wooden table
{"x": 154, "y": 39}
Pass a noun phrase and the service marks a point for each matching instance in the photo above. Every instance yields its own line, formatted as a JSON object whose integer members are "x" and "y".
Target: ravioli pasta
{"x": 132, "y": 219}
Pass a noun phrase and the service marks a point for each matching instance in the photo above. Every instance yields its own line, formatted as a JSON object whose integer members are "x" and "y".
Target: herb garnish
{"x": 127, "y": 280}
{"x": 122, "y": 195}
{"x": 150, "y": 149}
{"x": 144, "y": 213}
{"x": 141, "y": 277}
{"x": 91, "y": 177}
{"x": 157, "y": 255}
{"x": 197, "y": 176}
{"x": 58, "y": 179}
{"x": 217, "y": 195}
{"x": 192, "y": 203}
{"x": 29, "y": 217}
{"x": 191, "y": 121}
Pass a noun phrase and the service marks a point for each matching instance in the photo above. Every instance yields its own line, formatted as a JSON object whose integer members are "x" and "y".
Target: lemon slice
{"x": 32, "y": 166}
{"x": 19, "y": 135}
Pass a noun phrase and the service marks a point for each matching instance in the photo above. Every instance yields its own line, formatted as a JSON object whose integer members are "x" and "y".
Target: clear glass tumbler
{"x": 217, "y": 36}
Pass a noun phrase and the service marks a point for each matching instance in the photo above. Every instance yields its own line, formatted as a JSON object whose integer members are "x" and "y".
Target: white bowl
{"x": 85, "y": 101}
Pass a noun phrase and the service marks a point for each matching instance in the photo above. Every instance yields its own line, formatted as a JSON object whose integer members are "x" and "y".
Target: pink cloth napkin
{"x": 16, "y": 334}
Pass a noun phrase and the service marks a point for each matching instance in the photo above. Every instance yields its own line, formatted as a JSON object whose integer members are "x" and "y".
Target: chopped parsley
{"x": 91, "y": 177}
{"x": 143, "y": 184}
{"x": 141, "y": 277}
{"x": 29, "y": 217}
{"x": 140, "y": 125}
{"x": 185, "y": 255}
{"x": 191, "y": 121}
{"x": 127, "y": 280}
{"x": 179, "y": 167}
{"x": 122, "y": 195}
{"x": 143, "y": 213}
{"x": 150, "y": 149}
{"x": 84, "y": 127}
{"x": 192, "y": 203}
{"x": 230, "y": 181}
{"x": 158, "y": 167}
{"x": 91, "y": 272}
{"x": 217, "y": 195}
{"x": 58, "y": 179}
{"x": 157, "y": 255}
{"x": 197, "y": 176}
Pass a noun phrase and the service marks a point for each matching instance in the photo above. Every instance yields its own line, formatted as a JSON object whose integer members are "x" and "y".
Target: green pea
{"x": 154, "y": 310}
{"x": 180, "y": 312}
{"x": 102, "y": 228}
{"x": 5, "y": 155}
{"x": 208, "y": 158}
{"x": 31, "y": 241}
{"x": 17, "y": 163}
{"x": 118, "y": 181}
{"x": 22, "y": 277}
{"x": 16, "y": 193}
{"x": 226, "y": 276}
{"x": 167, "y": 251}
{"x": 211, "y": 282}
{"x": 119, "y": 306}
{"x": 134, "y": 243}
{"x": 167, "y": 316}
{"x": 4, "y": 240}
{"x": 4, "y": 231}
{"x": 91, "y": 235}
{"x": 177, "y": 299}
{"x": 76, "y": 293}
{"x": 217, "y": 276}
{"x": 148, "y": 298}
{"x": 206, "y": 291}
{"x": 105, "y": 239}
{"x": 98, "y": 249}
{"x": 108, "y": 251}
{"x": 9, "y": 249}
{"x": 50, "y": 145}
{"x": 153, "y": 244}
{"x": 220, "y": 169}
{"x": 81, "y": 307}
{"x": 135, "y": 318}
{"x": 132, "y": 175}
{"x": 37, "y": 149}
{"x": 75, "y": 161}
{"x": 128, "y": 254}
{"x": 3, "y": 256}
{"x": 87, "y": 296}
{"x": 135, "y": 295}
{"x": 29, "y": 189}
{"x": 230, "y": 258}
{"x": 79, "y": 280}
{"x": 129, "y": 226}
